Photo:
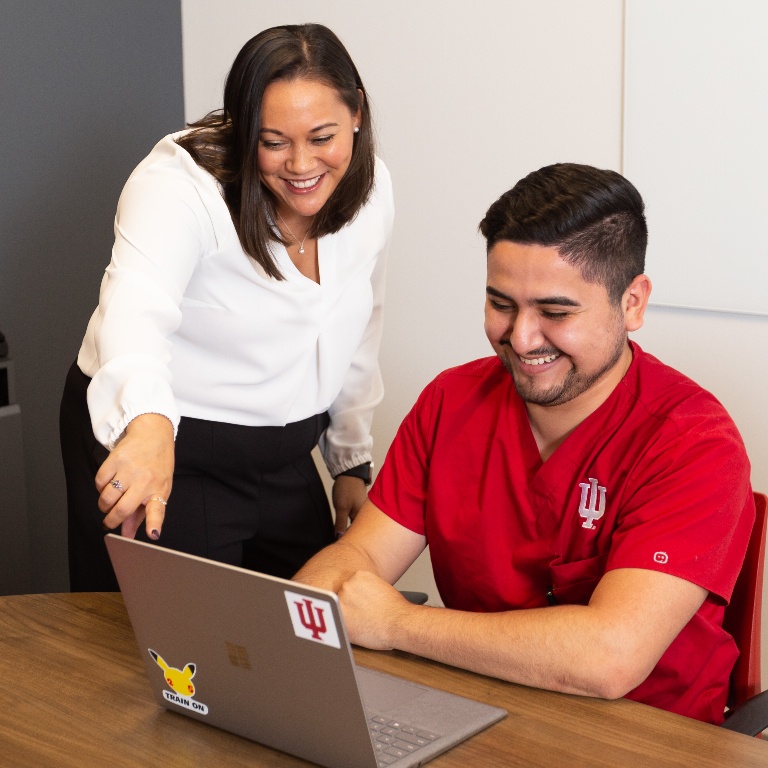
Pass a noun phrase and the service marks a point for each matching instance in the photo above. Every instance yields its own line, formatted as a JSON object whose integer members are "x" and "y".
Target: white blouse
{"x": 189, "y": 325}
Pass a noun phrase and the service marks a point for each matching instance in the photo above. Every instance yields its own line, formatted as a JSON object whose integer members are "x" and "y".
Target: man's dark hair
{"x": 595, "y": 218}
{"x": 225, "y": 142}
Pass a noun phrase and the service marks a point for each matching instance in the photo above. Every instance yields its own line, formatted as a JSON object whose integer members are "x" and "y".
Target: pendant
{"x": 301, "y": 249}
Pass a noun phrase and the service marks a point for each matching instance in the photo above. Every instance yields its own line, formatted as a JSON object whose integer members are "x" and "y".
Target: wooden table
{"x": 73, "y": 693}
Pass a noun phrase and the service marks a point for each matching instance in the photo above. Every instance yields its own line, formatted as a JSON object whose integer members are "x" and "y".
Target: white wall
{"x": 469, "y": 98}
{"x": 696, "y": 61}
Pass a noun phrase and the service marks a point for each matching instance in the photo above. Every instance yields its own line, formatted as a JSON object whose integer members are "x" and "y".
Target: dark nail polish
{"x": 154, "y": 534}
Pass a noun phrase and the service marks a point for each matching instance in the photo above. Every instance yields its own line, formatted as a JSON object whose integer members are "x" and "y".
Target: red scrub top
{"x": 657, "y": 477}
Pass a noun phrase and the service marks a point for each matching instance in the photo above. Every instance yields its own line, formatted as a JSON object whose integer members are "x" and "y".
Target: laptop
{"x": 269, "y": 659}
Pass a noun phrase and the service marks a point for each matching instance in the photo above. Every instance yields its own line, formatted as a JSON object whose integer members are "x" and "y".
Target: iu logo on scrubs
{"x": 592, "y": 504}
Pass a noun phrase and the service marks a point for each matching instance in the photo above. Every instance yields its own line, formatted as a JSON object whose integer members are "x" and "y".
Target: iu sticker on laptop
{"x": 312, "y": 619}
{"x": 180, "y": 683}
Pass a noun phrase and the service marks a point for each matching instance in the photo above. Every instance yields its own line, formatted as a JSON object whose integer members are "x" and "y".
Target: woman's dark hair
{"x": 595, "y": 218}
{"x": 225, "y": 142}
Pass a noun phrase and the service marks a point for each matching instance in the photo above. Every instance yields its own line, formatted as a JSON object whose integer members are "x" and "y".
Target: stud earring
{"x": 356, "y": 129}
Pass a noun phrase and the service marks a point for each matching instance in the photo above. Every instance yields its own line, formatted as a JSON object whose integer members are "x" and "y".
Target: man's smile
{"x": 538, "y": 360}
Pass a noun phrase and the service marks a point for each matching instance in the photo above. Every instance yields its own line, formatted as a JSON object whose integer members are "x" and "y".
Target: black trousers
{"x": 248, "y": 496}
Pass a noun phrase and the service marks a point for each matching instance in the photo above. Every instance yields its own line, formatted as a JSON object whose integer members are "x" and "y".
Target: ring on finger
{"x": 117, "y": 484}
{"x": 157, "y": 498}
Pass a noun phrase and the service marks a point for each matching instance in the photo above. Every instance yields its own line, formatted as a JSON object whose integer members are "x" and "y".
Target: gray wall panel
{"x": 87, "y": 87}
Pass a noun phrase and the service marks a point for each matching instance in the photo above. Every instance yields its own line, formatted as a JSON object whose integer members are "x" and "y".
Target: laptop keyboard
{"x": 393, "y": 740}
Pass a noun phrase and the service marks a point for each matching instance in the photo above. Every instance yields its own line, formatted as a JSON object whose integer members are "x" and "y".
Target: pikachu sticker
{"x": 180, "y": 683}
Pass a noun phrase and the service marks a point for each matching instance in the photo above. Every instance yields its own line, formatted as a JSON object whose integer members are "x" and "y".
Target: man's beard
{"x": 574, "y": 384}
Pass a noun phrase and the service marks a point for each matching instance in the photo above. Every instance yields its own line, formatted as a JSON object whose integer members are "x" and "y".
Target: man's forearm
{"x": 332, "y": 566}
{"x": 605, "y": 649}
{"x": 396, "y": 548}
{"x": 563, "y": 648}
{"x": 558, "y": 649}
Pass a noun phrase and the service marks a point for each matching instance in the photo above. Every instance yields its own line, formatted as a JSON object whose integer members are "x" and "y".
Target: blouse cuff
{"x": 118, "y": 433}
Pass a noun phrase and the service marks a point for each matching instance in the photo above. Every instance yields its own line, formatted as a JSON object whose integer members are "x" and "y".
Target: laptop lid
{"x": 270, "y": 660}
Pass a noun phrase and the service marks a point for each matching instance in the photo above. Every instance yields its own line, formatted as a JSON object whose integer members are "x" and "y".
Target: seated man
{"x": 587, "y": 507}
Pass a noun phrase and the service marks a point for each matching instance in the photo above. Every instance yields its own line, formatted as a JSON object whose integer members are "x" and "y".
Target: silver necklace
{"x": 296, "y": 239}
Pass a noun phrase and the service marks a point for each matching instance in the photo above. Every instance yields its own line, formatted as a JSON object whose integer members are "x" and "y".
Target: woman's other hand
{"x": 348, "y": 496}
{"x": 135, "y": 481}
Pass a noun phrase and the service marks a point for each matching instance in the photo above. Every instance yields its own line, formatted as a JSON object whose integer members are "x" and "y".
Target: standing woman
{"x": 238, "y": 325}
